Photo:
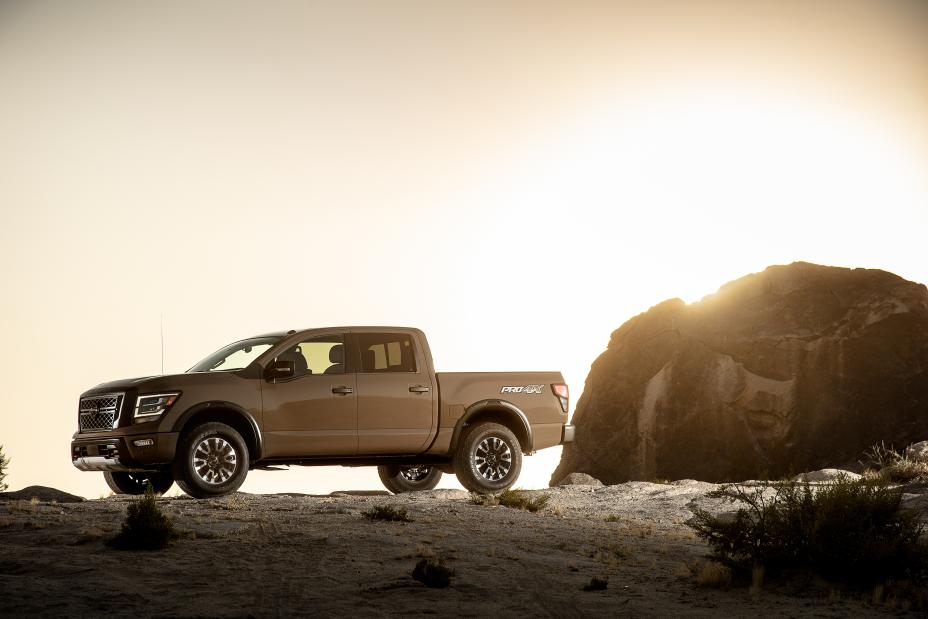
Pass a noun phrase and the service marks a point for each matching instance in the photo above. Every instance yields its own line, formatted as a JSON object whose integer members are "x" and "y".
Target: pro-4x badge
{"x": 527, "y": 389}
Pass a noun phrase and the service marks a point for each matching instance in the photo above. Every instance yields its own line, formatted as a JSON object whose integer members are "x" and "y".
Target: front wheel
{"x": 211, "y": 460}
{"x": 488, "y": 458}
{"x": 135, "y": 483}
{"x": 398, "y": 479}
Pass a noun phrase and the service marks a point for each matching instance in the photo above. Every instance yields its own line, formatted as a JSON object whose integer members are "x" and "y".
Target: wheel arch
{"x": 230, "y": 414}
{"x": 499, "y": 411}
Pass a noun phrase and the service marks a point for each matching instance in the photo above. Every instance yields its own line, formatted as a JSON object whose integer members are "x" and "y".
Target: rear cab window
{"x": 380, "y": 353}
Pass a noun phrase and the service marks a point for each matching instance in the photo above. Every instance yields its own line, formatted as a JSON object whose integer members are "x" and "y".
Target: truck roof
{"x": 348, "y": 327}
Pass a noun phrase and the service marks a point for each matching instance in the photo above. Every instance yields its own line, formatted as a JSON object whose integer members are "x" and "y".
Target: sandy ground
{"x": 295, "y": 555}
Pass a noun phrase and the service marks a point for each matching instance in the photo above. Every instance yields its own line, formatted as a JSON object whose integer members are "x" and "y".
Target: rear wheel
{"x": 135, "y": 483}
{"x": 488, "y": 458}
{"x": 211, "y": 460}
{"x": 398, "y": 479}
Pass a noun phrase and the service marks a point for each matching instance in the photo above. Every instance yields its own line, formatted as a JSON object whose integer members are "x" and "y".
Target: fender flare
{"x": 229, "y": 406}
{"x": 511, "y": 410}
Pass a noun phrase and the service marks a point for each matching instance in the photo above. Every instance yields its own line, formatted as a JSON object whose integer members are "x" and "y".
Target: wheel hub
{"x": 214, "y": 460}
{"x": 493, "y": 458}
{"x": 415, "y": 474}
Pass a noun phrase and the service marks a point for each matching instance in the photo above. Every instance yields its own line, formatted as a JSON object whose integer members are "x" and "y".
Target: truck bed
{"x": 529, "y": 392}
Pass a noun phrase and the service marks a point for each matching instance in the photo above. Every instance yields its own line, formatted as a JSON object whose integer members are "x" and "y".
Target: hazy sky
{"x": 515, "y": 178}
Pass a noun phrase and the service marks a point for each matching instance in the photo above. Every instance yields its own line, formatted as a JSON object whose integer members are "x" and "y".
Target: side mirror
{"x": 279, "y": 369}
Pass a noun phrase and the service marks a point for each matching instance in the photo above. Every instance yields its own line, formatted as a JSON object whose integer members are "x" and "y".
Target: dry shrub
{"x": 485, "y": 500}
{"x": 596, "y": 584}
{"x": 389, "y": 513}
{"x": 713, "y": 574}
{"x": 88, "y": 534}
{"x": 433, "y": 574}
{"x": 4, "y": 463}
{"x": 424, "y": 551}
{"x": 683, "y": 571}
{"x": 519, "y": 499}
{"x": 516, "y": 499}
{"x": 19, "y": 505}
{"x": 757, "y": 579}
{"x": 905, "y": 471}
{"x": 879, "y": 456}
{"x": 887, "y": 464}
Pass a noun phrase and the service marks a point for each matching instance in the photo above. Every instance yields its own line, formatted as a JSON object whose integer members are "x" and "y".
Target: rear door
{"x": 315, "y": 413}
{"x": 395, "y": 393}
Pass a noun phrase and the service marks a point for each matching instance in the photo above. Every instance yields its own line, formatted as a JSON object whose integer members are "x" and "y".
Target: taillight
{"x": 563, "y": 395}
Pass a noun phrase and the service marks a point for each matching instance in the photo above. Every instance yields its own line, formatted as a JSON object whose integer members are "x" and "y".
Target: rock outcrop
{"x": 41, "y": 493}
{"x": 797, "y": 368}
{"x": 917, "y": 452}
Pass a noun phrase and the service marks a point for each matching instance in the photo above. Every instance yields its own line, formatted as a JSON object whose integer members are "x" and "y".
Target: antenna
{"x": 162, "y": 343}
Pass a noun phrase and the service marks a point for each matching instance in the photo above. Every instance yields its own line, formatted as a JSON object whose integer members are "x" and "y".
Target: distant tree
{"x": 4, "y": 462}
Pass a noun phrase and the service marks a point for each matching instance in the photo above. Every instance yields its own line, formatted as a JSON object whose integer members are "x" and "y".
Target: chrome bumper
{"x": 568, "y": 435}
{"x": 101, "y": 463}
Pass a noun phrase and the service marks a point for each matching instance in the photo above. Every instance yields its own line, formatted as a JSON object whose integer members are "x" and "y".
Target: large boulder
{"x": 798, "y": 368}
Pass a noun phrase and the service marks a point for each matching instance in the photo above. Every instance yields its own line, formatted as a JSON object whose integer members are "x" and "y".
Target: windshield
{"x": 235, "y": 356}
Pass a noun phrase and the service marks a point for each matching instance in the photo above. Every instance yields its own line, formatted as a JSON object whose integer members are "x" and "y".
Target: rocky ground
{"x": 286, "y": 555}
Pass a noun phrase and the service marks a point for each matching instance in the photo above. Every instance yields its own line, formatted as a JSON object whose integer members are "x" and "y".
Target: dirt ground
{"x": 296, "y": 555}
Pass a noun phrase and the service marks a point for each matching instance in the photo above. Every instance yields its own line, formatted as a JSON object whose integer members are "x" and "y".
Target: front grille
{"x": 99, "y": 412}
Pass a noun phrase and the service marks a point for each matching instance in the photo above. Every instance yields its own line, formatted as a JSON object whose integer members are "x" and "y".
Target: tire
{"x": 221, "y": 461}
{"x": 135, "y": 483}
{"x": 476, "y": 470}
{"x": 399, "y": 479}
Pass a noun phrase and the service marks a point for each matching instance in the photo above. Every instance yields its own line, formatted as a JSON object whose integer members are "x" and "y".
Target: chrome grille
{"x": 99, "y": 412}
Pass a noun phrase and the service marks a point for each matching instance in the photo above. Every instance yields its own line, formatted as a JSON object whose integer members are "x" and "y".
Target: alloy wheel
{"x": 214, "y": 460}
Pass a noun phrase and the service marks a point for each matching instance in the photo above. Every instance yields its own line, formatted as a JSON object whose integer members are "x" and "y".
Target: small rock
{"x": 917, "y": 452}
{"x": 827, "y": 475}
{"x": 579, "y": 479}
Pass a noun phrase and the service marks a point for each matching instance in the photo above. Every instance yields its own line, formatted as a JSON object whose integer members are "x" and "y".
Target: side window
{"x": 386, "y": 352}
{"x": 320, "y": 355}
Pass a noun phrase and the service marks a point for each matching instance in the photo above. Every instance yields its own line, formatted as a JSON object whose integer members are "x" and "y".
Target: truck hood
{"x": 167, "y": 382}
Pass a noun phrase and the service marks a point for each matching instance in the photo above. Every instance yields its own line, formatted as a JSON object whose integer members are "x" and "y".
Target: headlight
{"x": 154, "y": 405}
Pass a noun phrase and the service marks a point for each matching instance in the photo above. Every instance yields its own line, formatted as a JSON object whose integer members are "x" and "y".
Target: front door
{"x": 395, "y": 412}
{"x": 314, "y": 413}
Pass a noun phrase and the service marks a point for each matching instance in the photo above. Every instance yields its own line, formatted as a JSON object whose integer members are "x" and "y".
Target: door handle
{"x": 342, "y": 390}
{"x": 420, "y": 389}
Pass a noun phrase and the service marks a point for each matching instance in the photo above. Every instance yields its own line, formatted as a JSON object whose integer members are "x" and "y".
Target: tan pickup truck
{"x": 353, "y": 396}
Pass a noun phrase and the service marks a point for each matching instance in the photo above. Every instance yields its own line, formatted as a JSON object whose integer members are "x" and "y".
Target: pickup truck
{"x": 353, "y": 396}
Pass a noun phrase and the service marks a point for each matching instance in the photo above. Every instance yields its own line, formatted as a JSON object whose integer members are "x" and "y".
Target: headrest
{"x": 337, "y": 354}
{"x": 299, "y": 361}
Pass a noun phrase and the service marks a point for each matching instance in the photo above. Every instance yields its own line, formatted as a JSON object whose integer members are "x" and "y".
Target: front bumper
{"x": 122, "y": 453}
{"x": 568, "y": 434}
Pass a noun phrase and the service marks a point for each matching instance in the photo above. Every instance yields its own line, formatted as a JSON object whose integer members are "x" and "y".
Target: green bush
{"x": 146, "y": 527}
{"x": 432, "y": 574}
{"x": 4, "y": 462}
{"x": 388, "y": 513}
{"x": 848, "y": 531}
